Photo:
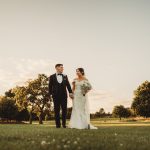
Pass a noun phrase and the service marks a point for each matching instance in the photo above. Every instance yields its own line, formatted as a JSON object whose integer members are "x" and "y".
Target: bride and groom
{"x": 58, "y": 86}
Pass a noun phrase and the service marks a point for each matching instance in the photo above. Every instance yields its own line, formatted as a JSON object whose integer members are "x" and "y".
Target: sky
{"x": 109, "y": 39}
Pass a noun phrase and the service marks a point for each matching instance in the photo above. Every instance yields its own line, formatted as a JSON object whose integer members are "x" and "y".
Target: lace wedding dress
{"x": 80, "y": 117}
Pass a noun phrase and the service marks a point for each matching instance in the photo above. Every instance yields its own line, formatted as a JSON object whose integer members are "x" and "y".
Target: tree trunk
{"x": 41, "y": 118}
{"x": 30, "y": 117}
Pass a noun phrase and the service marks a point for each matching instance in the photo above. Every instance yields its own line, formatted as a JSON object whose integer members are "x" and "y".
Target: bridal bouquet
{"x": 85, "y": 87}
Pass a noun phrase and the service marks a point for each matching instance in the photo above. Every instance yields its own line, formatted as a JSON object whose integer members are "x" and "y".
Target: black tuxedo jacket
{"x": 54, "y": 85}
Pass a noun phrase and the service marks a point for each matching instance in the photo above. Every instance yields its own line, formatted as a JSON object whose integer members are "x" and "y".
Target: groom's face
{"x": 60, "y": 69}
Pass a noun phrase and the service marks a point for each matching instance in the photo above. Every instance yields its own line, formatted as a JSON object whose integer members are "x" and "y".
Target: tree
{"x": 8, "y": 109}
{"x": 127, "y": 113}
{"x": 38, "y": 97}
{"x": 22, "y": 103}
{"x": 17, "y": 96}
{"x": 21, "y": 97}
{"x": 34, "y": 97}
{"x": 120, "y": 111}
{"x": 141, "y": 101}
{"x": 9, "y": 93}
{"x": 102, "y": 112}
{"x": 22, "y": 115}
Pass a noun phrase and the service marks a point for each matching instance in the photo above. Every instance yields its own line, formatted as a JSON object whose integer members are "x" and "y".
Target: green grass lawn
{"x": 110, "y": 136}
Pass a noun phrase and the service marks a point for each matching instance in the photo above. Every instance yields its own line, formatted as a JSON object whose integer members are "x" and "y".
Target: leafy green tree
{"x": 22, "y": 115}
{"x": 21, "y": 97}
{"x": 34, "y": 97}
{"x": 102, "y": 112}
{"x": 127, "y": 113}
{"x": 14, "y": 94}
{"x": 141, "y": 101}
{"x": 8, "y": 109}
{"x": 38, "y": 96}
{"x": 120, "y": 111}
{"x": 23, "y": 103}
{"x": 9, "y": 93}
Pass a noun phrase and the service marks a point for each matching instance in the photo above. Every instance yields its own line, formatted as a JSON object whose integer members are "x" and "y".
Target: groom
{"x": 58, "y": 86}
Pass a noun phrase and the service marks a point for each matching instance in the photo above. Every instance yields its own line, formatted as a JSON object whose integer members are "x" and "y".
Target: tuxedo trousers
{"x": 60, "y": 103}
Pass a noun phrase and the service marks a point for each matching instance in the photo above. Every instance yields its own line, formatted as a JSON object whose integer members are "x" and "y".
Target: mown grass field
{"x": 111, "y": 135}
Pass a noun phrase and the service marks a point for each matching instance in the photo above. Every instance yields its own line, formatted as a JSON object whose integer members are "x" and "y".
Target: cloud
{"x": 16, "y": 71}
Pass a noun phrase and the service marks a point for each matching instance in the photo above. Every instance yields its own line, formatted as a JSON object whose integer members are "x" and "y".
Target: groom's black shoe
{"x": 58, "y": 126}
{"x": 64, "y": 126}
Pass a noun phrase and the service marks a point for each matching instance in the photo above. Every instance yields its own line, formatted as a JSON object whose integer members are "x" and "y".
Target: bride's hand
{"x": 86, "y": 93}
{"x": 71, "y": 95}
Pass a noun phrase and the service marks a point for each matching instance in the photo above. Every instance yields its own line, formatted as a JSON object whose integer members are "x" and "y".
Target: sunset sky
{"x": 110, "y": 39}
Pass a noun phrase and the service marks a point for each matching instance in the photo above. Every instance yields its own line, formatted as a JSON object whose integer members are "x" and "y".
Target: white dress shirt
{"x": 59, "y": 78}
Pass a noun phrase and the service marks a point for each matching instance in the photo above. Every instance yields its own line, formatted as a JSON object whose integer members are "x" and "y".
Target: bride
{"x": 80, "y": 117}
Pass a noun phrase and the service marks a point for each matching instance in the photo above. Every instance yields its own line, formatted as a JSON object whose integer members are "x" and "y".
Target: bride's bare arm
{"x": 73, "y": 86}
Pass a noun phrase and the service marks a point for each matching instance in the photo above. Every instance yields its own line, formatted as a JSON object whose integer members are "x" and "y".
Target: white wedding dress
{"x": 80, "y": 117}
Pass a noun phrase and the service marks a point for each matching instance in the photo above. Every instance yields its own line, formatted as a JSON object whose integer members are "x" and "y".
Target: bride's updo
{"x": 81, "y": 70}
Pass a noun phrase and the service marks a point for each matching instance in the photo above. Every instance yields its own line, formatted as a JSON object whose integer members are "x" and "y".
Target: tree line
{"x": 32, "y": 102}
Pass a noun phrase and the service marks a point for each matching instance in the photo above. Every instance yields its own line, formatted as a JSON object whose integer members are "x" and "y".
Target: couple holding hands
{"x": 58, "y": 87}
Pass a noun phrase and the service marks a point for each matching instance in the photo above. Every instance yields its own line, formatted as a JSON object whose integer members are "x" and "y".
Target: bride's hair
{"x": 82, "y": 71}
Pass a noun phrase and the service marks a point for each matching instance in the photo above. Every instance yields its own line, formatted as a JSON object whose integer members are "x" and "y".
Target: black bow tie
{"x": 60, "y": 74}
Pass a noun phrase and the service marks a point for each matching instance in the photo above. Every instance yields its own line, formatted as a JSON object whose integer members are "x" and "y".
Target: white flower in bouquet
{"x": 85, "y": 87}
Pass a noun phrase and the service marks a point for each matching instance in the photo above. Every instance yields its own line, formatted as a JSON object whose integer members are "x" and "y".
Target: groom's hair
{"x": 58, "y": 65}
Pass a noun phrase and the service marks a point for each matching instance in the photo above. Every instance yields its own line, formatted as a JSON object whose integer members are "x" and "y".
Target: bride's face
{"x": 79, "y": 74}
